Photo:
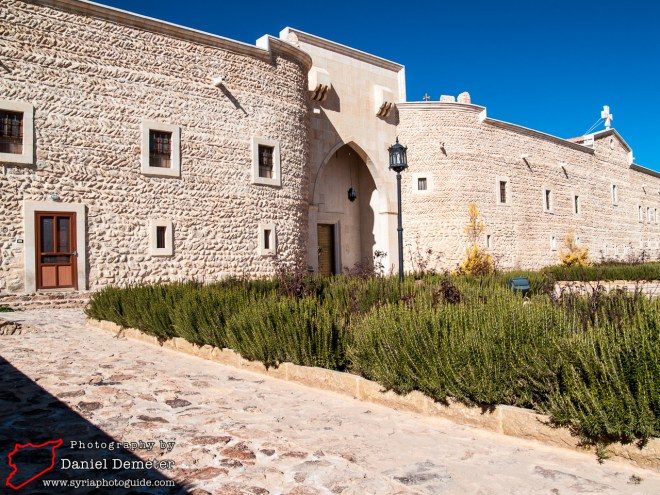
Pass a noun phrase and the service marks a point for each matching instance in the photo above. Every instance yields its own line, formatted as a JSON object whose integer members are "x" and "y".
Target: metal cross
{"x": 426, "y": 97}
{"x": 607, "y": 116}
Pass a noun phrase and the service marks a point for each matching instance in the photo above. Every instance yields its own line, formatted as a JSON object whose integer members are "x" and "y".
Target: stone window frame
{"x": 154, "y": 250}
{"x": 272, "y": 250}
{"x": 30, "y": 253}
{"x": 509, "y": 197}
{"x": 27, "y": 155}
{"x": 276, "y": 180}
{"x": 146, "y": 126}
{"x": 429, "y": 182}
{"x": 544, "y": 191}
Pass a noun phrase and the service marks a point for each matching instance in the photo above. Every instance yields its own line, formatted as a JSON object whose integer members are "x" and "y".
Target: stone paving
{"x": 241, "y": 433}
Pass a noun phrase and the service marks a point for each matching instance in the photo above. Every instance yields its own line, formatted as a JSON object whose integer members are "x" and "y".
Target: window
{"x": 615, "y": 195}
{"x": 161, "y": 237}
{"x": 547, "y": 200}
{"x": 11, "y": 132}
{"x": 267, "y": 239}
{"x": 553, "y": 243}
{"x": 576, "y": 204}
{"x": 422, "y": 182}
{"x": 489, "y": 241}
{"x": 648, "y": 214}
{"x": 16, "y": 132}
{"x": 161, "y": 149}
{"x": 502, "y": 191}
{"x": 266, "y": 162}
{"x": 639, "y": 214}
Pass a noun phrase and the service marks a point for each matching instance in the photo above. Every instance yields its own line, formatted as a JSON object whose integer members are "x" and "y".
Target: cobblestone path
{"x": 239, "y": 433}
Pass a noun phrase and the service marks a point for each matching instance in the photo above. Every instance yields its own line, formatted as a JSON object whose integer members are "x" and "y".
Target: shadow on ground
{"x": 29, "y": 414}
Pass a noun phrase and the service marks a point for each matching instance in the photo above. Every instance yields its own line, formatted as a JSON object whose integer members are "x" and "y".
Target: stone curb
{"x": 507, "y": 420}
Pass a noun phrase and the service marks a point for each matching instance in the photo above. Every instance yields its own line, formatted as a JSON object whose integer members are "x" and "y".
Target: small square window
{"x": 422, "y": 184}
{"x": 161, "y": 238}
{"x": 160, "y": 149}
{"x": 503, "y": 191}
{"x": 267, "y": 239}
{"x": 11, "y": 132}
{"x": 266, "y": 161}
{"x": 266, "y": 164}
{"x": 16, "y": 132}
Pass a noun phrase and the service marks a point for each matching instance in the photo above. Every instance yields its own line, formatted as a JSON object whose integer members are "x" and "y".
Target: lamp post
{"x": 398, "y": 163}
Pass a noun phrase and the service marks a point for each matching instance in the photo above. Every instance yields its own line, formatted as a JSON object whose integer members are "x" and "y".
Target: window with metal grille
{"x": 11, "y": 132}
{"x": 266, "y": 161}
{"x": 160, "y": 237}
{"x": 502, "y": 191}
{"x": 160, "y": 149}
{"x": 422, "y": 184}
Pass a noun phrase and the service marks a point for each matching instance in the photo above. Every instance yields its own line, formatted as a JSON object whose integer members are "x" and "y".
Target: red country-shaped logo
{"x": 54, "y": 444}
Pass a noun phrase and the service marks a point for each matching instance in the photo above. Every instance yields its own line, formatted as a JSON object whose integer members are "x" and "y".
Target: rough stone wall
{"x": 92, "y": 82}
{"x": 477, "y": 152}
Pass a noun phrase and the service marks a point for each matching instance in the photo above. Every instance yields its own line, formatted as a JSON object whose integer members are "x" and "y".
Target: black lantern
{"x": 398, "y": 157}
{"x": 398, "y": 163}
{"x": 352, "y": 194}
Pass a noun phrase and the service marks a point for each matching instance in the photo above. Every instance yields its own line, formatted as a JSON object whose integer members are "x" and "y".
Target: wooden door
{"x": 326, "y": 242}
{"x": 56, "y": 250}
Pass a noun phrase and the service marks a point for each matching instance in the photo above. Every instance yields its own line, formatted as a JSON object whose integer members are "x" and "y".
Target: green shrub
{"x": 302, "y": 331}
{"x": 590, "y": 361}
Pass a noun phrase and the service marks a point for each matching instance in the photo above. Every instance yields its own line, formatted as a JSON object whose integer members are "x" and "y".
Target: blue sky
{"x": 550, "y": 66}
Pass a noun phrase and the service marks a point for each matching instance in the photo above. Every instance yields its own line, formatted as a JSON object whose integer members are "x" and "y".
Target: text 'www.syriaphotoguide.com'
{"x": 107, "y": 483}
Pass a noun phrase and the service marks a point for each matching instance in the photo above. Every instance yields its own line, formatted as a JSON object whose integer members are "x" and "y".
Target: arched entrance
{"x": 345, "y": 226}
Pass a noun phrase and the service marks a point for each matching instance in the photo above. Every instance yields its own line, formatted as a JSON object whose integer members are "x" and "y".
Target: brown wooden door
{"x": 56, "y": 250}
{"x": 326, "y": 241}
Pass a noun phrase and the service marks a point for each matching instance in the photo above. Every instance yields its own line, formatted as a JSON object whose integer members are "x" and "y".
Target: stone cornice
{"x": 644, "y": 170}
{"x": 538, "y": 134}
{"x": 440, "y": 105}
{"x": 138, "y": 21}
{"x": 343, "y": 49}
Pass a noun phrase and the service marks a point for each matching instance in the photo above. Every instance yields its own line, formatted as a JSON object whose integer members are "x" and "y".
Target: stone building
{"x": 135, "y": 150}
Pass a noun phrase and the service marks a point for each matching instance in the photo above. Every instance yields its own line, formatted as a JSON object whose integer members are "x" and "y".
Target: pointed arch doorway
{"x": 345, "y": 228}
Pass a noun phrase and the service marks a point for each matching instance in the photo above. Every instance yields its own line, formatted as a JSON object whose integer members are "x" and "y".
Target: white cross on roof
{"x": 607, "y": 116}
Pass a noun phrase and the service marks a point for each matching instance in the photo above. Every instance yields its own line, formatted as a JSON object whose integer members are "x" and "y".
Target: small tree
{"x": 477, "y": 260}
{"x": 572, "y": 254}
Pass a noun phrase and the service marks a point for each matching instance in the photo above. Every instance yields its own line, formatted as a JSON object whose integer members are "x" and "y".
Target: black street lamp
{"x": 398, "y": 163}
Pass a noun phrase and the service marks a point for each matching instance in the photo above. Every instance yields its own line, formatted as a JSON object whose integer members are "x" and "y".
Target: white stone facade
{"x": 92, "y": 82}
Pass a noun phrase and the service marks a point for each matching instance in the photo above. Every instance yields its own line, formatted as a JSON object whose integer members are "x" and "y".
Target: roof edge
{"x": 312, "y": 39}
{"x": 644, "y": 170}
{"x": 146, "y": 23}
